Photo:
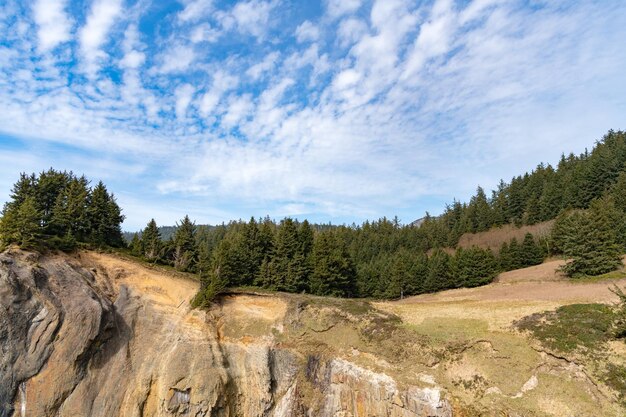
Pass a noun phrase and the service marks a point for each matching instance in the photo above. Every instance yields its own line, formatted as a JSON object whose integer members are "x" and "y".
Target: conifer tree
{"x": 104, "y": 217}
{"x": 151, "y": 241}
{"x": 530, "y": 252}
{"x": 565, "y": 231}
{"x": 305, "y": 236}
{"x": 50, "y": 184}
{"x": 215, "y": 273}
{"x": 407, "y": 273}
{"x": 474, "y": 266}
{"x": 184, "y": 249}
{"x": 69, "y": 214}
{"x": 333, "y": 272}
{"x": 22, "y": 224}
{"x": 595, "y": 250}
{"x": 135, "y": 246}
{"x": 439, "y": 272}
{"x": 515, "y": 254}
{"x": 288, "y": 277}
{"x": 505, "y": 258}
{"x": 23, "y": 188}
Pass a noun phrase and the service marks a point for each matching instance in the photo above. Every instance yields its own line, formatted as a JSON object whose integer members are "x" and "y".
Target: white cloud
{"x": 195, "y": 9}
{"x": 434, "y": 37}
{"x": 93, "y": 35}
{"x": 133, "y": 59}
{"x": 346, "y": 79}
{"x": 249, "y": 17}
{"x": 257, "y": 70}
{"x": 307, "y": 32}
{"x": 222, "y": 82}
{"x": 54, "y": 24}
{"x": 239, "y": 108}
{"x": 176, "y": 59}
{"x": 351, "y": 30}
{"x": 204, "y": 33}
{"x": 337, "y": 8}
{"x": 332, "y": 128}
{"x": 184, "y": 95}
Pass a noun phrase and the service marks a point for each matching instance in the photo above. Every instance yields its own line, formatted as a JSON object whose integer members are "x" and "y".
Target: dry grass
{"x": 494, "y": 238}
{"x": 161, "y": 288}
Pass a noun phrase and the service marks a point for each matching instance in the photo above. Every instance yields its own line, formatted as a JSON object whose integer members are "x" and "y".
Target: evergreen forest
{"x": 584, "y": 194}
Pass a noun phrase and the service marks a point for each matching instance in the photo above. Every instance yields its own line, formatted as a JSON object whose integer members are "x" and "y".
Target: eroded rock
{"x": 78, "y": 341}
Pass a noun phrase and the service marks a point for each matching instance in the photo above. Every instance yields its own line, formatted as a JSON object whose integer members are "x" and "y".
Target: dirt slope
{"x": 505, "y": 360}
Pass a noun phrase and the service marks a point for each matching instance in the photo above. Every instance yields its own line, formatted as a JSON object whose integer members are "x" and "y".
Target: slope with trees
{"x": 58, "y": 209}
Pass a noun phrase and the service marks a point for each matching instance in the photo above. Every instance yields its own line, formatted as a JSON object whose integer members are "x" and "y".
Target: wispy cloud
{"x": 361, "y": 109}
{"x": 93, "y": 35}
{"x": 54, "y": 25}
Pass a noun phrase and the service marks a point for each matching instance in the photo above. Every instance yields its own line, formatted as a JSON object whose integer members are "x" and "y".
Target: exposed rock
{"x": 78, "y": 339}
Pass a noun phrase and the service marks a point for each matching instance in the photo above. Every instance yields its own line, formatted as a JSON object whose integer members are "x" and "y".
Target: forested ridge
{"x": 585, "y": 193}
{"x": 60, "y": 210}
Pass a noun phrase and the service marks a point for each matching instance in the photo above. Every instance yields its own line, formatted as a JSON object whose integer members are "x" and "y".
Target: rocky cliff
{"x": 95, "y": 335}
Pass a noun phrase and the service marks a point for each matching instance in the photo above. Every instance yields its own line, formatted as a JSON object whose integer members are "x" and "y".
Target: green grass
{"x": 615, "y": 377}
{"x": 585, "y": 327}
{"x": 613, "y": 275}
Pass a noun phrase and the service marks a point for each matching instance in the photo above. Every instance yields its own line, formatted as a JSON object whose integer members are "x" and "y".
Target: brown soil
{"x": 514, "y": 295}
{"x": 494, "y": 238}
{"x": 537, "y": 283}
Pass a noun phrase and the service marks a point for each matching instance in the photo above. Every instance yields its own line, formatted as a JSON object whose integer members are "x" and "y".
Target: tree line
{"x": 373, "y": 260}
{"x": 59, "y": 210}
{"x": 538, "y": 196}
{"x": 586, "y": 194}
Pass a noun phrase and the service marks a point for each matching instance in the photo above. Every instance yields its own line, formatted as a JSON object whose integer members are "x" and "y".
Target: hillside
{"x": 109, "y": 337}
{"x": 495, "y": 237}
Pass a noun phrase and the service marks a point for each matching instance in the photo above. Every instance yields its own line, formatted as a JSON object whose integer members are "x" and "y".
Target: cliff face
{"x": 94, "y": 336}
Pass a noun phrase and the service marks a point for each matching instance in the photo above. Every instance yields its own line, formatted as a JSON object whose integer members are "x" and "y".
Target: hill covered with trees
{"x": 585, "y": 195}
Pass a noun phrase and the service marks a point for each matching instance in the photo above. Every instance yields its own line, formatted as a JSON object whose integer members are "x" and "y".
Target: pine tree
{"x": 550, "y": 202}
{"x": 618, "y": 193}
{"x": 22, "y": 224}
{"x": 151, "y": 241}
{"x": 287, "y": 247}
{"x": 185, "y": 245}
{"x": 69, "y": 214}
{"x": 23, "y": 188}
{"x": 50, "y": 184}
{"x": 305, "y": 237}
{"x": 515, "y": 254}
{"x": 333, "y": 271}
{"x": 506, "y": 261}
{"x": 439, "y": 272}
{"x": 104, "y": 217}
{"x": 135, "y": 246}
{"x": 407, "y": 272}
{"x": 215, "y": 273}
{"x": 595, "y": 250}
{"x": 474, "y": 267}
{"x": 530, "y": 253}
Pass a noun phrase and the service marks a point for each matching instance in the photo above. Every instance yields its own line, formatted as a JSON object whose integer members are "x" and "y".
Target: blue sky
{"x": 337, "y": 110}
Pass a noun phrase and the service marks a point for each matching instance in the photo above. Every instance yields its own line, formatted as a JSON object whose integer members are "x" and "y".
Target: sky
{"x": 332, "y": 110}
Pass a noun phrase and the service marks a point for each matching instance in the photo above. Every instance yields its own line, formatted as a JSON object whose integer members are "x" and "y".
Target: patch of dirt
{"x": 541, "y": 283}
{"x": 263, "y": 307}
{"x": 163, "y": 290}
{"x": 546, "y": 272}
{"x": 495, "y": 237}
